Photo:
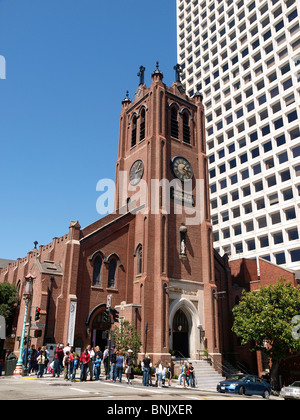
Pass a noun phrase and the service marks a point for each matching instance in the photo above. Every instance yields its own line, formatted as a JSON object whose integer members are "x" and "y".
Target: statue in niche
{"x": 183, "y": 231}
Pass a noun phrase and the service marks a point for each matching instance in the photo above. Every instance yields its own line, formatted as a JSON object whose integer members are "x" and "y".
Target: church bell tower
{"x": 162, "y": 177}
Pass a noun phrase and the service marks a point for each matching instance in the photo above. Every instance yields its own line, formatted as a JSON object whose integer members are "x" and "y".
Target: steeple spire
{"x": 126, "y": 100}
{"x": 157, "y": 72}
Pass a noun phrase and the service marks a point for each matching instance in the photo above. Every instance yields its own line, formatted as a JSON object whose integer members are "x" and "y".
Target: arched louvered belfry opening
{"x": 133, "y": 131}
{"x": 174, "y": 123}
{"x": 186, "y": 128}
{"x": 143, "y": 125}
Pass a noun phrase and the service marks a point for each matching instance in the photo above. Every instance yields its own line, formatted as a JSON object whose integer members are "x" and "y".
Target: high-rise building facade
{"x": 244, "y": 56}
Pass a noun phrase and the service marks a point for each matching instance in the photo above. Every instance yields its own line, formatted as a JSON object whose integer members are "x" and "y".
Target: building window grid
{"x": 272, "y": 24}
{"x": 252, "y": 54}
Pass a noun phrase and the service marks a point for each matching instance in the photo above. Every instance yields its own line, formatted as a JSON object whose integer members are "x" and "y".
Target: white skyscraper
{"x": 244, "y": 56}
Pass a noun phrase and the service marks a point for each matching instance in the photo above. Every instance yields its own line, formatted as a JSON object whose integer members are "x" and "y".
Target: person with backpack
{"x": 41, "y": 364}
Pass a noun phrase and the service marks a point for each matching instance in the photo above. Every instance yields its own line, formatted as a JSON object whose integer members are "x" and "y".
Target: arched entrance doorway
{"x": 184, "y": 325}
{"x": 99, "y": 328}
{"x": 181, "y": 334}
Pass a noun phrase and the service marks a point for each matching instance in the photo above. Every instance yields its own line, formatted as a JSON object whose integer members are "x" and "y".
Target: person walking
{"x": 128, "y": 365}
{"x": 47, "y": 356}
{"x": 119, "y": 366}
{"x": 146, "y": 371}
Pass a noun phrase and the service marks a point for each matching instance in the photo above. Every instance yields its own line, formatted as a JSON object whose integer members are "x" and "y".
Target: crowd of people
{"x": 67, "y": 361}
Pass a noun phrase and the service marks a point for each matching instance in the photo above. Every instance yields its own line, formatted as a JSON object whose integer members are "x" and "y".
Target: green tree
{"x": 264, "y": 317}
{"x": 126, "y": 337}
{"x": 8, "y": 300}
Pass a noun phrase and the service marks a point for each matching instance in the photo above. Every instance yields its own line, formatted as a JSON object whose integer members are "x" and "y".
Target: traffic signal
{"x": 37, "y": 314}
{"x": 116, "y": 315}
{"x": 37, "y": 333}
{"x": 106, "y": 315}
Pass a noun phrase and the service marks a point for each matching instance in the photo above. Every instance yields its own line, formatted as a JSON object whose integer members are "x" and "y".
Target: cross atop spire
{"x": 141, "y": 75}
{"x": 178, "y": 72}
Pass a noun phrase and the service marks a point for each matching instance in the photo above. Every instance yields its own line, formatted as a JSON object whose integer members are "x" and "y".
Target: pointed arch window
{"x": 140, "y": 260}
{"x": 186, "y": 128}
{"x": 133, "y": 131}
{"x": 143, "y": 125}
{"x": 97, "y": 271}
{"x": 112, "y": 270}
{"x": 174, "y": 123}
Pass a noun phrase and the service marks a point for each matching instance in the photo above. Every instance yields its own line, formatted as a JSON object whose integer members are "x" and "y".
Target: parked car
{"x": 291, "y": 392}
{"x": 245, "y": 384}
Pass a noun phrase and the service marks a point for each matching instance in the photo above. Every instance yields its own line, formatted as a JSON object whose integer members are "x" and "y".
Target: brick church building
{"x": 153, "y": 254}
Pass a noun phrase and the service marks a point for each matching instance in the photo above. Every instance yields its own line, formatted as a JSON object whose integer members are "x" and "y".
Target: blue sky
{"x": 68, "y": 66}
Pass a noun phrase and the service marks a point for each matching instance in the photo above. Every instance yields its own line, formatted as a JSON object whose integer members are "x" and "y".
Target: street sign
{"x": 2, "y": 328}
{"x": 38, "y": 325}
{"x": 108, "y": 301}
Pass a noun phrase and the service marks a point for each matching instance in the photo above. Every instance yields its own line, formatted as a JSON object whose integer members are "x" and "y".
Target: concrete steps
{"x": 206, "y": 376}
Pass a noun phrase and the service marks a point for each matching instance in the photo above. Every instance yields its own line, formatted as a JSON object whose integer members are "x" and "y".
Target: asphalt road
{"x": 48, "y": 388}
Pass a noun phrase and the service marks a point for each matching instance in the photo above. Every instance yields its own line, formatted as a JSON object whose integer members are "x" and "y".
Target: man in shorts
{"x": 128, "y": 365}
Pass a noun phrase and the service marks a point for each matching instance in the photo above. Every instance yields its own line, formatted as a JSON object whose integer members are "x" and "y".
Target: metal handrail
{"x": 182, "y": 356}
{"x": 242, "y": 368}
{"x": 220, "y": 367}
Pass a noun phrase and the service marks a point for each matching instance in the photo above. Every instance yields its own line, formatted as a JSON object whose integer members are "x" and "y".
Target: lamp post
{"x": 28, "y": 292}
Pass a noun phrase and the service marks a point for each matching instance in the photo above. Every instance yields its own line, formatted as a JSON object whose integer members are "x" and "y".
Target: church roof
{"x": 4, "y": 262}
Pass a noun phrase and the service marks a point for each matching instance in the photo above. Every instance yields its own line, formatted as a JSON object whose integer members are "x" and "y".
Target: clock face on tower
{"x": 136, "y": 172}
{"x": 181, "y": 167}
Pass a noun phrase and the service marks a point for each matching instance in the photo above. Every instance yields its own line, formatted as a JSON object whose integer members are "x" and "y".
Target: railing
{"x": 243, "y": 368}
{"x": 182, "y": 357}
{"x": 220, "y": 367}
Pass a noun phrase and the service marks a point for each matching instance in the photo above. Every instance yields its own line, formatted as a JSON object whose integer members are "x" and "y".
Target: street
{"x": 48, "y": 388}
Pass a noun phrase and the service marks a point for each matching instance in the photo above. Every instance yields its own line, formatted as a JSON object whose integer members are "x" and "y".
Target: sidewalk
{"x": 138, "y": 380}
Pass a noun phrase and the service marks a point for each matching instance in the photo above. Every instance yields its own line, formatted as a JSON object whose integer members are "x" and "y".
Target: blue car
{"x": 245, "y": 385}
